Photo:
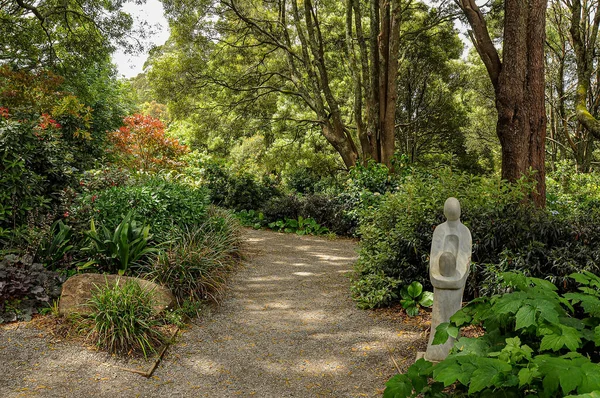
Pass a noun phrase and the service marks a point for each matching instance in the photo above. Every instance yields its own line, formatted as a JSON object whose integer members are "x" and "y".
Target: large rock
{"x": 78, "y": 289}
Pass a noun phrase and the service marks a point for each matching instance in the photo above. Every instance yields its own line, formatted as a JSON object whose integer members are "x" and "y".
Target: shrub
{"x": 300, "y": 226}
{"x": 245, "y": 192}
{"x": 122, "y": 319}
{"x": 396, "y": 234}
{"x": 375, "y": 290}
{"x": 302, "y": 180}
{"x": 537, "y": 343}
{"x": 31, "y": 168}
{"x": 195, "y": 266}
{"x": 141, "y": 144}
{"x": 115, "y": 252}
{"x": 251, "y": 218}
{"x": 159, "y": 202}
{"x": 281, "y": 207}
{"x": 329, "y": 211}
{"x": 25, "y": 287}
{"x": 55, "y": 246}
{"x": 237, "y": 191}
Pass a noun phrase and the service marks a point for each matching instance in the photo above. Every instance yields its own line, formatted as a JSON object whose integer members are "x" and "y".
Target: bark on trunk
{"x": 519, "y": 85}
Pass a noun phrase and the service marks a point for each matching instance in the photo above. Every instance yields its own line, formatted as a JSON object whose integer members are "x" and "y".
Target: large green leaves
{"x": 533, "y": 345}
{"x": 127, "y": 245}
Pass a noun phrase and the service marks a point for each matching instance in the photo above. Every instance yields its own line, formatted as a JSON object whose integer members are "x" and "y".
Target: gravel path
{"x": 288, "y": 328}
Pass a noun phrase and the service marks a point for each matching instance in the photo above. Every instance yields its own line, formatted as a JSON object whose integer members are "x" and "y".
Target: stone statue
{"x": 449, "y": 264}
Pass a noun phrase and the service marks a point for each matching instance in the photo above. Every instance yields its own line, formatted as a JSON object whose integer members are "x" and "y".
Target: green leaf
{"x": 398, "y": 386}
{"x": 441, "y": 333}
{"x": 564, "y": 371}
{"x": 452, "y": 331}
{"x": 593, "y": 394}
{"x": 448, "y": 371}
{"x": 590, "y": 304}
{"x": 509, "y": 303}
{"x": 489, "y": 373}
{"x": 526, "y": 376}
{"x": 547, "y": 310}
{"x": 414, "y": 289}
{"x": 426, "y": 299}
{"x": 471, "y": 346}
{"x": 568, "y": 337}
{"x": 525, "y": 317}
{"x": 581, "y": 278}
{"x": 591, "y": 377}
{"x": 412, "y": 310}
{"x": 418, "y": 374}
{"x": 460, "y": 318}
{"x": 597, "y": 336}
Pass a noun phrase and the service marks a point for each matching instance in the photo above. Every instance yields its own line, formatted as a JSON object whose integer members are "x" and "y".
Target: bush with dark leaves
{"x": 25, "y": 287}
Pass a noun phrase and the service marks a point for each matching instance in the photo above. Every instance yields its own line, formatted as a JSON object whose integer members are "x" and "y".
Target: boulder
{"x": 78, "y": 289}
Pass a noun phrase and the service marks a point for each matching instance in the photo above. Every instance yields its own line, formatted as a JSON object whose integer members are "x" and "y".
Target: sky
{"x": 131, "y": 65}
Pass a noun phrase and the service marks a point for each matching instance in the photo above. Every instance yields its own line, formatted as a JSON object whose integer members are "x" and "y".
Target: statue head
{"x": 452, "y": 209}
{"x": 447, "y": 264}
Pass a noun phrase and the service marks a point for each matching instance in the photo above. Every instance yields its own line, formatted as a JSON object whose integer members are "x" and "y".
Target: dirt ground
{"x": 287, "y": 328}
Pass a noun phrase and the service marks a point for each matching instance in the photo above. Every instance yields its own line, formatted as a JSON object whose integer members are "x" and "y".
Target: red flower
{"x": 4, "y": 112}
{"x": 66, "y": 214}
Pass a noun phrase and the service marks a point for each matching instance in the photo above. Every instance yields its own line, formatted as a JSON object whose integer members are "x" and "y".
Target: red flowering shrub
{"x": 141, "y": 143}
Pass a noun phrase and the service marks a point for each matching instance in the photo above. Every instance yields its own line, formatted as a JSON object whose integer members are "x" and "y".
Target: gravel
{"x": 287, "y": 328}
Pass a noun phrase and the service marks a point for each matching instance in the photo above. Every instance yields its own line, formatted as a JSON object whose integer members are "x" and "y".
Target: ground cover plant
{"x": 537, "y": 342}
{"x": 25, "y": 287}
{"x": 299, "y": 226}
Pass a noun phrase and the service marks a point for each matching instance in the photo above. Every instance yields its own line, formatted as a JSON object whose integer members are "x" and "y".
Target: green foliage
{"x": 195, "y": 265}
{"x": 31, "y": 168}
{"x": 70, "y": 36}
{"x": 25, "y": 287}
{"x": 300, "y": 226}
{"x": 117, "y": 251}
{"x": 537, "y": 342}
{"x": 374, "y": 290}
{"x": 413, "y": 297}
{"x": 507, "y": 235}
{"x": 251, "y": 218}
{"x": 54, "y": 248}
{"x": 123, "y": 319}
{"x": 237, "y": 191}
{"x": 47, "y": 136}
{"x": 302, "y": 180}
{"x": 160, "y": 202}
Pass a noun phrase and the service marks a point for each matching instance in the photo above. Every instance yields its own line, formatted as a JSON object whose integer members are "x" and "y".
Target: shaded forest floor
{"x": 287, "y": 328}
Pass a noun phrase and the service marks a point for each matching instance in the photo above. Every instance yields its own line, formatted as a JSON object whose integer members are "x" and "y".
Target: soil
{"x": 287, "y": 328}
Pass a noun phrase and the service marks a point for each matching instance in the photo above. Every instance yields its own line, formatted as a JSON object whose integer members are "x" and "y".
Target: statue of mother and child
{"x": 449, "y": 264}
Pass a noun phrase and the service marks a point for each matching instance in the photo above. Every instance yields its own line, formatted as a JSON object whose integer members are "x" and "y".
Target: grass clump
{"x": 123, "y": 320}
{"x": 195, "y": 266}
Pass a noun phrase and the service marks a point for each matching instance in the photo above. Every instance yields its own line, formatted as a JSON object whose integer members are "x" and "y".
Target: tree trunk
{"x": 519, "y": 86}
{"x": 379, "y": 72}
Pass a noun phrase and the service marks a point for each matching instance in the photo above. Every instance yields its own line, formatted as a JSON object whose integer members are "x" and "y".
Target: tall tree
{"x": 66, "y": 35}
{"x": 583, "y": 22}
{"x": 339, "y": 73}
{"x": 518, "y": 81}
{"x": 375, "y": 59}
